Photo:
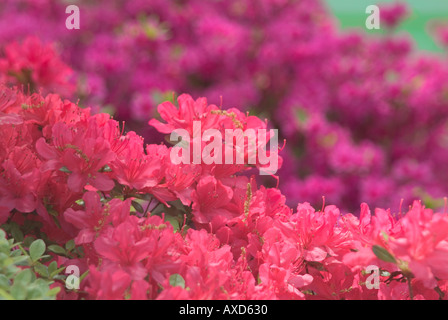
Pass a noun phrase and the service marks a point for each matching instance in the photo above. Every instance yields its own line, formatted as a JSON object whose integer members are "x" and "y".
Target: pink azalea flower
{"x": 108, "y": 284}
{"x": 96, "y": 217}
{"x": 189, "y": 111}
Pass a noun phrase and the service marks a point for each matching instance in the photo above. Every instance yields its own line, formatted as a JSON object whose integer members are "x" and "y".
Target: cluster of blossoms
{"x": 142, "y": 227}
{"x": 337, "y": 97}
{"x": 112, "y": 203}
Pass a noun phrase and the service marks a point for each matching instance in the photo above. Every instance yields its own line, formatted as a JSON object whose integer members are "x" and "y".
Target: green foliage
{"x": 383, "y": 254}
{"x": 22, "y": 274}
{"x": 176, "y": 280}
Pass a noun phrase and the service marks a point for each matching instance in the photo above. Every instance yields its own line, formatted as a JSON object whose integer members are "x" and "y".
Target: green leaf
{"x": 16, "y": 253}
{"x": 24, "y": 277}
{"x": 42, "y": 270}
{"x": 4, "y": 282}
{"x": 384, "y": 273}
{"x": 57, "y": 249}
{"x": 137, "y": 206}
{"x": 28, "y": 241}
{"x": 383, "y": 254}
{"x": 174, "y": 222}
{"x": 83, "y": 275}
{"x": 37, "y": 249}
{"x": 56, "y": 272}
{"x": 20, "y": 260}
{"x": 176, "y": 280}
{"x": 54, "y": 291}
{"x": 16, "y": 233}
{"x": 106, "y": 168}
{"x": 46, "y": 258}
{"x": 8, "y": 261}
{"x": 5, "y": 295}
{"x": 18, "y": 291}
{"x": 4, "y": 246}
{"x": 65, "y": 169}
{"x": 38, "y": 289}
{"x": 52, "y": 267}
{"x": 70, "y": 245}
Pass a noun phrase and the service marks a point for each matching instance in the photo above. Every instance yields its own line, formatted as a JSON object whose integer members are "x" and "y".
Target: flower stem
{"x": 411, "y": 293}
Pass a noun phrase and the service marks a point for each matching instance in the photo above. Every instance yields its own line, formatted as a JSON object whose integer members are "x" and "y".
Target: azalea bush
{"x": 92, "y": 207}
{"x": 338, "y": 97}
{"x": 137, "y": 226}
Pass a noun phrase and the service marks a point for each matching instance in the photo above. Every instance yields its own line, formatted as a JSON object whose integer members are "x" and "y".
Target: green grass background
{"x": 351, "y": 14}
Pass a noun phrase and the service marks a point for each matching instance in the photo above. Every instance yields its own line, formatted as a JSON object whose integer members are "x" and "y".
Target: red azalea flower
{"x": 182, "y": 118}
{"x": 107, "y": 284}
{"x": 37, "y": 65}
{"x": 96, "y": 216}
